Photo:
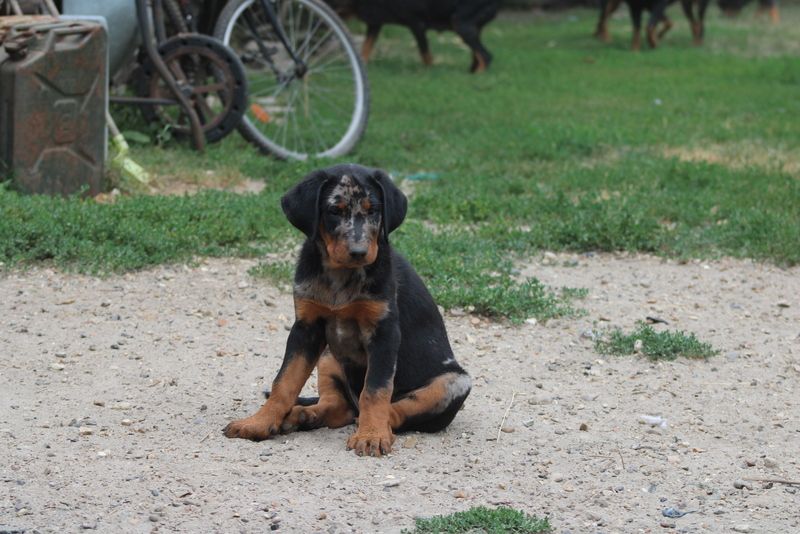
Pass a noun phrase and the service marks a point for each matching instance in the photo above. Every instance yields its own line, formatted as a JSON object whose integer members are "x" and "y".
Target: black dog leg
{"x": 422, "y": 44}
{"x": 636, "y": 16}
{"x": 369, "y": 42}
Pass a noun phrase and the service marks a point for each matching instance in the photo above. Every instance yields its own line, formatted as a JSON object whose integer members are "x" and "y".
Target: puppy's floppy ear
{"x": 394, "y": 203}
{"x": 301, "y": 202}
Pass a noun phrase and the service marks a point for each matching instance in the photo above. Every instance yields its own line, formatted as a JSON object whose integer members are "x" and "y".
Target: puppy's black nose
{"x": 358, "y": 253}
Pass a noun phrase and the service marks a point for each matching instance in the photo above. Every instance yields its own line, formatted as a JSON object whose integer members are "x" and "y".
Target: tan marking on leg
{"x": 636, "y": 44}
{"x": 421, "y": 401}
{"x": 481, "y": 63}
{"x": 697, "y": 33}
{"x": 666, "y": 26}
{"x": 774, "y": 15}
{"x": 652, "y": 40}
{"x": 366, "y": 48}
{"x": 374, "y": 435}
{"x": 427, "y": 59}
{"x": 266, "y": 422}
{"x": 332, "y": 410}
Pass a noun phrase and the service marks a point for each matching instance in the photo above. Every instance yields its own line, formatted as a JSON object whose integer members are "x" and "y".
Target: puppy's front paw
{"x": 254, "y": 428}
{"x": 371, "y": 442}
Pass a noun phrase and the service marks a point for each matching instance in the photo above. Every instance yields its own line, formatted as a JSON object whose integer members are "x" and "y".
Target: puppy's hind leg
{"x": 432, "y": 407}
{"x": 334, "y": 408}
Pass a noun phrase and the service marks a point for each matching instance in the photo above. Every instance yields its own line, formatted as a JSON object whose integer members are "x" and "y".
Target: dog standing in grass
{"x": 363, "y": 317}
{"x": 695, "y": 11}
{"x": 465, "y": 17}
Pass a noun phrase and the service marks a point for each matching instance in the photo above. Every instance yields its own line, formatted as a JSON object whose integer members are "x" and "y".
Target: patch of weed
{"x": 666, "y": 345}
{"x": 480, "y": 520}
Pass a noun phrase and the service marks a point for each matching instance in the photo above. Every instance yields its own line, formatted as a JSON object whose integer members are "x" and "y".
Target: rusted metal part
{"x": 6, "y": 23}
{"x": 146, "y": 29}
{"x": 53, "y": 93}
{"x": 209, "y": 74}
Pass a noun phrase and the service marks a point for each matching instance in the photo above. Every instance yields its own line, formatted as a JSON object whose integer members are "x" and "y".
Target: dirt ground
{"x": 115, "y": 391}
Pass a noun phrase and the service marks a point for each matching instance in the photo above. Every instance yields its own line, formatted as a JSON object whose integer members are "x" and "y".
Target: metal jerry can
{"x": 53, "y": 101}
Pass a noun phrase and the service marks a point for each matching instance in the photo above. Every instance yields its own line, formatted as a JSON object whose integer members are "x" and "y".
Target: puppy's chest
{"x": 346, "y": 340}
{"x": 351, "y": 315}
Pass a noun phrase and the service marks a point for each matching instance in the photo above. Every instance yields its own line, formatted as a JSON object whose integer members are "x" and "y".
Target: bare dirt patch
{"x": 115, "y": 392}
{"x": 740, "y": 155}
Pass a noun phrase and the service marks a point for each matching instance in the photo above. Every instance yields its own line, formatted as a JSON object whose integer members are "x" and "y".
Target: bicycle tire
{"x": 255, "y": 125}
{"x": 212, "y": 77}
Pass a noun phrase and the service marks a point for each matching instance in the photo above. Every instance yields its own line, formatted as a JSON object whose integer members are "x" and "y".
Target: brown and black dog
{"x": 465, "y": 17}
{"x": 695, "y": 11}
{"x": 363, "y": 317}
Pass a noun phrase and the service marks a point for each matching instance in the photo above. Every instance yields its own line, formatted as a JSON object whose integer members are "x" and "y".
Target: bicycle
{"x": 309, "y": 95}
{"x": 207, "y": 72}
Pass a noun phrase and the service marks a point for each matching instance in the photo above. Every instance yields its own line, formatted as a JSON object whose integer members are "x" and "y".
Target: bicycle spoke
{"x": 301, "y": 50}
{"x": 319, "y": 43}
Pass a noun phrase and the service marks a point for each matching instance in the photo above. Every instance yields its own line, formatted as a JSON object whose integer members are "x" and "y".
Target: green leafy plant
{"x": 483, "y": 520}
{"x": 666, "y": 345}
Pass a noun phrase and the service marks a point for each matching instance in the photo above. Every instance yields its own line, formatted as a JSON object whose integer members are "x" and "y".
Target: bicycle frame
{"x": 266, "y": 5}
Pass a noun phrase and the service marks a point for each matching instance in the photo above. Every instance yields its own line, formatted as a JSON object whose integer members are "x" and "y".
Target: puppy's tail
{"x": 301, "y": 401}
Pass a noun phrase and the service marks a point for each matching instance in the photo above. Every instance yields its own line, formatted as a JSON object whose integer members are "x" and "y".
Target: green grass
{"x": 565, "y": 144}
{"x": 483, "y": 520}
{"x": 666, "y": 345}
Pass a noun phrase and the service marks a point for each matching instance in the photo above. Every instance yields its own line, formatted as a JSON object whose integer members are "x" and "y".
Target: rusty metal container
{"x": 53, "y": 100}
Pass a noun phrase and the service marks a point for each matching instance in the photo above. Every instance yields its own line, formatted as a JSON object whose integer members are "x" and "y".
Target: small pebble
{"x": 558, "y": 477}
{"x": 541, "y": 399}
{"x": 666, "y": 523}
{"x": 770, "y": 462}
{"x": 744, "y": 527}
{"x": 741, "y": 484}
{"x": 126, "y": 422}
{"x": 85, "y": 431}
{"x": 57, "y": 367}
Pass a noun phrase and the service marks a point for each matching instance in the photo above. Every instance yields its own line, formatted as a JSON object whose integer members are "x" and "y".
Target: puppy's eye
{"x": 336, "y": 210}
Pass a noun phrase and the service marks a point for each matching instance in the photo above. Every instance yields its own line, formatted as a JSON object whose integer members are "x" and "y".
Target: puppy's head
{"x": 351, "y": 209}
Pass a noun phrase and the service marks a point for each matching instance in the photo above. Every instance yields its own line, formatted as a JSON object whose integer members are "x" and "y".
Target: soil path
{"x": 114, "y": 392}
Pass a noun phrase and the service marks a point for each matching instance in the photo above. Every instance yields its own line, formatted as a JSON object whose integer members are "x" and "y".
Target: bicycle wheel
{"x": 317, "y": 109}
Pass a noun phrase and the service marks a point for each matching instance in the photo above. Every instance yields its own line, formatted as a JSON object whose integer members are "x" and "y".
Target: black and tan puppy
{"x": 363, "y": 317}
{"x": 465, "y": 17}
